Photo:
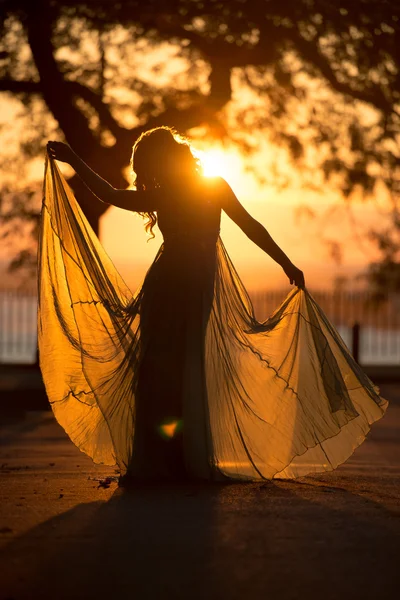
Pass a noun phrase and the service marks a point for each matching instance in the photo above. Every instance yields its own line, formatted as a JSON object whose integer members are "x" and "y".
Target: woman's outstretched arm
{"x": 258, "y": 234}
{"x": 104, "y": 191}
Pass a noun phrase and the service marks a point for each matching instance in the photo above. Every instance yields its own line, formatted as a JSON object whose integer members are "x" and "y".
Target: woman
{"x": 182, "y": 380}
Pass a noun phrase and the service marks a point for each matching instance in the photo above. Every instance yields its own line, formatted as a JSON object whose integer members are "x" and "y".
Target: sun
{"x": 217, "y": 163}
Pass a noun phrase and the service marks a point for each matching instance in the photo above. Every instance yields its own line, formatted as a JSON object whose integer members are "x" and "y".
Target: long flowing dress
{"x": 181, "y": 378}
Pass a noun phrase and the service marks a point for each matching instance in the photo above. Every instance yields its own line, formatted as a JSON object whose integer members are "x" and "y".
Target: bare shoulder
{"x": 217, "y": 189}
{"x": 216, "y": 182}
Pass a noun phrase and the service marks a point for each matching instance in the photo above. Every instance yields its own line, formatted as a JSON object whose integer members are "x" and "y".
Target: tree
{"x": 320, "y": 80}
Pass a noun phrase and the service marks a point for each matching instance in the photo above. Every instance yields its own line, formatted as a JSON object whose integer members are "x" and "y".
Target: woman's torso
{"x": 183, "y": 273}
{"x": 190, "y": 214}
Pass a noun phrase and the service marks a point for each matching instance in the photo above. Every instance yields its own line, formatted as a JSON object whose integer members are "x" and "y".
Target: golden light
{"x": 216, "y": 162}
{"x": 170, "y": 428}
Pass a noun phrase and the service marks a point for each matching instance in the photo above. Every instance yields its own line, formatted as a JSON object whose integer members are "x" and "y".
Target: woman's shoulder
{"x": 200, "y": 186}
{"x": 216, "y": 189}
{"x": 215, "y": 185}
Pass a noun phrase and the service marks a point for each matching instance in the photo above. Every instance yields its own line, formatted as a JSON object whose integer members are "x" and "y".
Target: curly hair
{"x": 158, "y": 156}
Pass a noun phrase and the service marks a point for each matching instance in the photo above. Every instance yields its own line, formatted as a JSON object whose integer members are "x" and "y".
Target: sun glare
{"x": 216, "y": 162}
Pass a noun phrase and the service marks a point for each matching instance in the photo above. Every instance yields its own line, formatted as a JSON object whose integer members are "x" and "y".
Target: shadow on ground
{"x": 281, "y": 540}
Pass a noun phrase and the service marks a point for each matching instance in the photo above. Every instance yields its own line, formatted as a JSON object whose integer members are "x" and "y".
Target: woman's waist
{"x": 182, "y": 271}
{"x": 192, "y": 239}
{"x": 188, "y": 259}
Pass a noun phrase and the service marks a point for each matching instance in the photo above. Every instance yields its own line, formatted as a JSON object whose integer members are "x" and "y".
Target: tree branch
{"x": 311, "y": 54}
{"x": 56, "y": 93}
{"x": 76, "y": 89}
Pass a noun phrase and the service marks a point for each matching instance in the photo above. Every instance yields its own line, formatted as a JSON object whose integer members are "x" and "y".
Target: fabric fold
{"x": 257, "y": 400}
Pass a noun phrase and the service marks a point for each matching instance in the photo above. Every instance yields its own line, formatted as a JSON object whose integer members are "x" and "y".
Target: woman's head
{"x": 161, "y": 156}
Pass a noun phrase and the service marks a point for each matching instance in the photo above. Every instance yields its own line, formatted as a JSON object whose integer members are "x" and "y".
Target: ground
{"x": 63, "y": 535}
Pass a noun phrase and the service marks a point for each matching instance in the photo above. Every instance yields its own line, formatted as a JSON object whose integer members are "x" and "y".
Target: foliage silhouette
{"x": 322, "y": 80}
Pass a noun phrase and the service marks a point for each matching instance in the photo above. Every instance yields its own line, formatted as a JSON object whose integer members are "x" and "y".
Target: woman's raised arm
{"x": 257, "y": 233}
{"x": 104, "y": 191}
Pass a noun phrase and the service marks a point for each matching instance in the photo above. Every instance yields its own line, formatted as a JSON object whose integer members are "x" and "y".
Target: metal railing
{"x": 18, "y": 326}
{"x": 377, "y": 331}
{"x": 378, "y": 334}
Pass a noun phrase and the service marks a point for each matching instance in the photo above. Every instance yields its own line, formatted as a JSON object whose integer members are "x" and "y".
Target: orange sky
{"x": 124, "y": 238}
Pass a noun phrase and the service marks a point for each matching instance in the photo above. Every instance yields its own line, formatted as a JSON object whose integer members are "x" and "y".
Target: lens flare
{"x": 170, "y": 428}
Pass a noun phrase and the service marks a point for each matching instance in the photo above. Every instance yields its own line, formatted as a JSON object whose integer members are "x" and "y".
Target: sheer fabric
{"x": 182, "y": 373}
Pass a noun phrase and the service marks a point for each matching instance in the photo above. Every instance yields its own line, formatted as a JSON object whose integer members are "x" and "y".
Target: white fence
{"x": 379, "y": 341}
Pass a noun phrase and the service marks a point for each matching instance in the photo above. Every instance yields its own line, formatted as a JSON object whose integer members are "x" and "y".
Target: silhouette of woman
{"x": 181, "y": 379}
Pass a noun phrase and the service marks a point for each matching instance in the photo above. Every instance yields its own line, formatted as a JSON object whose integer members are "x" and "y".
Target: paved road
{"x": 327, "y": 537}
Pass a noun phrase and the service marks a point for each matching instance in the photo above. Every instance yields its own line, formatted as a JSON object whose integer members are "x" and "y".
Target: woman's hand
{"x": 60, "y": 151}
{"x": 295, "y": 275}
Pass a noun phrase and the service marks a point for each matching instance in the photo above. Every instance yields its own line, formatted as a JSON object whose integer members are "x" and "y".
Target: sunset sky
{"x": 125, "y": 240}
{"x": 302, "y": 239}
{"x": 305, "y": 241}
